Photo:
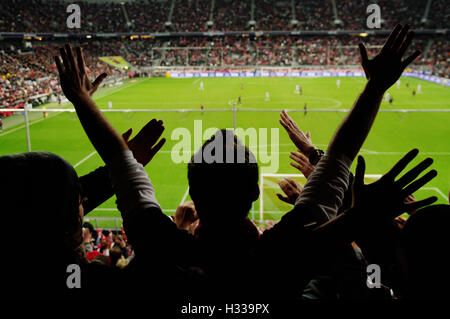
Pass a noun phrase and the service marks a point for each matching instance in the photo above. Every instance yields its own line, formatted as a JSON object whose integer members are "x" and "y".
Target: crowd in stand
{"x": 439, "y": 57}
{"x": 51, "y": 16}
{"x": 226, "y": 15}
{"x": 314, "y": 15}
{"x": 286, "y": 51}
{"x": 439, "y": 15}
{"x": 30, "y": 71}
{"x": 191, "y": 15}
{"x": 147, "y": 16}
{"x": 27, "y": 75}
{"x": 272, "y": 16}
{"x": 321, "y": 249}
{"x": 236, "y": 21}
{"x": 353, "y": 13}
{"x": 109, "y": 248}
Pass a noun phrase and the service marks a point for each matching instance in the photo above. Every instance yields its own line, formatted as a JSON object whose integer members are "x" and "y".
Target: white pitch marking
{"x": 97, "y": 97}
{"x": 185, "y": 196}
{"x": 22, "y": 126}
{"x": 84, "y": 159}
{"x": 436, "y": 190}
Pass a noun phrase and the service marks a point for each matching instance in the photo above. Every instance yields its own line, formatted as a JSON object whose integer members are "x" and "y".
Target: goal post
{"x": 263, "y": 177}
{"x": 267, "y": 181}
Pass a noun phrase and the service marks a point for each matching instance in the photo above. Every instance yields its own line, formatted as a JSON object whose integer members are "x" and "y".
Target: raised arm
{"x": 300, "y": 139}
{"x": 326, "y": 186}
{"x": 78, "y": 89}
{"x": 382, "y": 72}
{"x": 135, "y": 194}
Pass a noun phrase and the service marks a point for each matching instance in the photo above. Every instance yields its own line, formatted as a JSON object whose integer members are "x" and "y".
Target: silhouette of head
{"x": 223, "y": 179}
{"x": 40, "y": 194}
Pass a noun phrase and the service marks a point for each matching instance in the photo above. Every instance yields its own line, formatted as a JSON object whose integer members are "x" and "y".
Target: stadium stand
{"x": 236, "y": 21}
{"x": 191, "y": 15}
{"x": 35, "y": 65}
{"x": 314, "y": 15}
{"x": 272, "y": 16}
{"x": 147, "y": 16}
{"x": 224, "y": 15}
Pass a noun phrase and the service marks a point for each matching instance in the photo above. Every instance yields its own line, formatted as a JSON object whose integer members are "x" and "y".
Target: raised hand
{"x": 291, "y": 188}
{"x": 78, "y": 89}
{"x": 302, "y": 163}
{"x": 385, "y": 199}
{"x": 301, "y": 140}
{"x": 121, "y": 241}
{"x": 72, "y": 74}
{"x": 186, "y": 217}
{"x": 143, "y": 144}
{"x": 387, "y": 66}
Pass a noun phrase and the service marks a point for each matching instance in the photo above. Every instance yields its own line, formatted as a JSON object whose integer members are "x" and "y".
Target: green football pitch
{"x": 393, "y": 134}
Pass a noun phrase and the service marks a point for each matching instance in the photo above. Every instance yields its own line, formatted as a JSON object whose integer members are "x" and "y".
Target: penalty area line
{"x": 106, "y": 94}
{"x": 437, "y": 190}
{"x": 84, "y": 159}
{"x": 185, "y": 196}
{"x": 14, "y": 129}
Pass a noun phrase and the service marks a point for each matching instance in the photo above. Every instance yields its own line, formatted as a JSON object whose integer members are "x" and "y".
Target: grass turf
{"x": 393, "y": 134}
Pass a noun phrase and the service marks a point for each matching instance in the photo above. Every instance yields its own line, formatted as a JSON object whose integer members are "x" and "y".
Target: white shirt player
{"x": 201, "y": 86}
{"x": 419, "y": 88}
{"x": 338, "y": 83}
{"x": 297, "y": 89}
{"x": 398, "y": 84}
{"x": 387, "y": 96}
{"x": 267, "y": 96}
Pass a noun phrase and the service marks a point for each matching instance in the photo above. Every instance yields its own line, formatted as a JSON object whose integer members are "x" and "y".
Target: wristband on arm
{"x": 315, "y": 156}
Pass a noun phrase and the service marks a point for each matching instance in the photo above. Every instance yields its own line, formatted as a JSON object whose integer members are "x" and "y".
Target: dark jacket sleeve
{"x": 96, "y": 188}
{"x": 296, "y": 253}
{"x": 154, "y": 235}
